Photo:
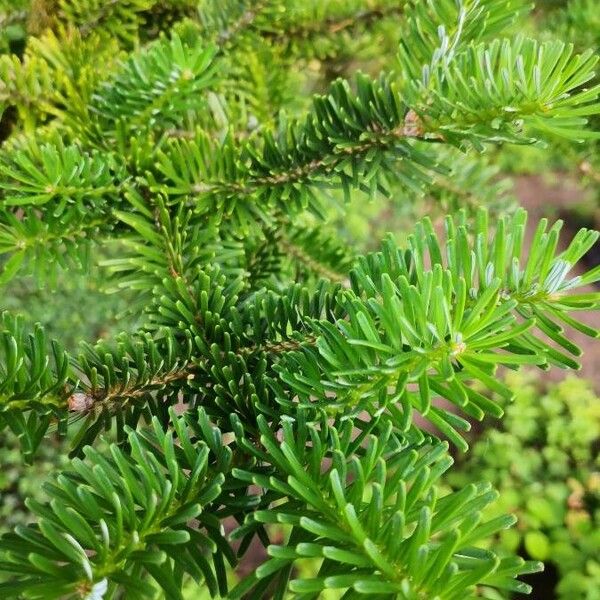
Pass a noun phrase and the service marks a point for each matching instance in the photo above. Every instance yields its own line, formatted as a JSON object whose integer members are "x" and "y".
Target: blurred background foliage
{"x": 544, "y": 459}
{"x": 545, "y": 462}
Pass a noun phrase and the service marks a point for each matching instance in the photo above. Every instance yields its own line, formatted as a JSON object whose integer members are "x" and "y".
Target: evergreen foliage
{"x": 275, "y": 372}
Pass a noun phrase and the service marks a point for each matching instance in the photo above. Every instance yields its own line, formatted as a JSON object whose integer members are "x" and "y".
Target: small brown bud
{"x": 80, "y": 402}
{"x": 412, "y": 125}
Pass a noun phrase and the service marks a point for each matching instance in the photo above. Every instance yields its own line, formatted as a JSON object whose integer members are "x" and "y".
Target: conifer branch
{"x": 90, "y": 16}
{"x": 235, "y": 20}
{"x": 243, "y": 21}
{"x": 436, "y": 329}
{"x": 325, "y": 504}
{"x": 298, "y": 366}
{"x": 321, "y": 345}
{"x": 361, "y": 140}
{"x": 145, "y": 517}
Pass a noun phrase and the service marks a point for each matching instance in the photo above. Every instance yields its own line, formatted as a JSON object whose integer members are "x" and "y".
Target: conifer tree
{"x": 276, "y": 373}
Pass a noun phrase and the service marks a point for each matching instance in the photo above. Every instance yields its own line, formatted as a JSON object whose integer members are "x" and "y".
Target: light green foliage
{"x": 545, "y": 464}
{"x": 311, "y": 29}
{"x": 123, "y": 17}
{"x": 452, "y": 322}
{"x": 346, "y": 512}
{"x": 272, "y": 376}
{"x": 579, "y": 22}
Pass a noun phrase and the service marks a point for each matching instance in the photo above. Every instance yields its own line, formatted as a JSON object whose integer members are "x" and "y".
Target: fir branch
{"x": 142, "y": 375}
{"x": 337, "y": 140}
{"x": 305, "y": 253}
{"x": 320, "y": 345}
{"x": 61, "y": 175}
{"x": 315, "y": 255}
{"x": 299, "y": 397}
{"x": 393, "y": 544}
{"x": 313, "y": 265}
{"x": 43, "y": 245}
{"x": 366, "y": 139}
{"x": 152, "y": 90}
{"x": 443, "y": 328}
{"x": 238, "y": 18}
{"x": 144, "y": 518}
{"x": 318, "y": 150}
{"x": 103, "y": 12}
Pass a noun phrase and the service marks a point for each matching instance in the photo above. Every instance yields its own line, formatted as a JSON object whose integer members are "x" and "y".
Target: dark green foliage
{"x": 119, "y": 510}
